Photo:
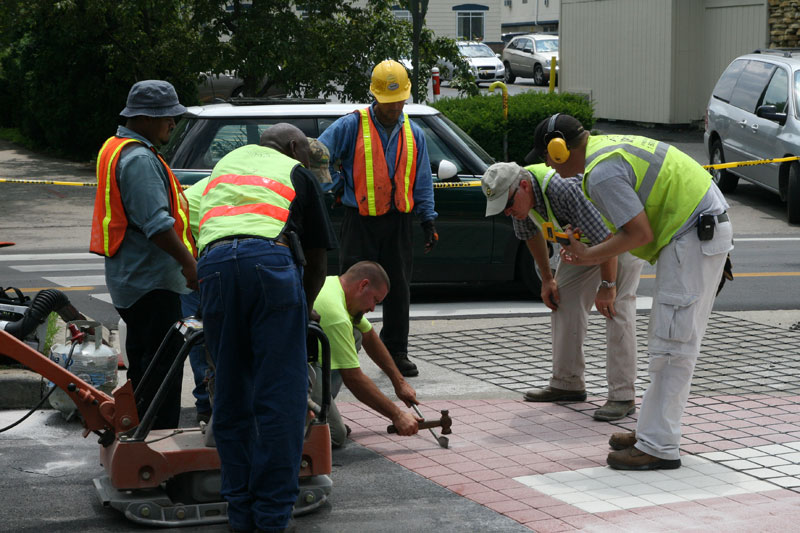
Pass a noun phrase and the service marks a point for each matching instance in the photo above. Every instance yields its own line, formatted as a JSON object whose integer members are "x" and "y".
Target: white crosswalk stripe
{"x": 53, "y": 266}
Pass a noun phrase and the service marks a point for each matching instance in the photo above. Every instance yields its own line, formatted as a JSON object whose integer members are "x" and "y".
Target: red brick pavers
{"x": 494, "y": 441}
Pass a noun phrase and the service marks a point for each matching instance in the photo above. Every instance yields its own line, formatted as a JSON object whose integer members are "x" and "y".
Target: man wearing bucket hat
{"x": 668, "y": 211}
{"x": 387, "y": 177}
{"x": 538, "y": 197}
{"x": 141, "y": 226}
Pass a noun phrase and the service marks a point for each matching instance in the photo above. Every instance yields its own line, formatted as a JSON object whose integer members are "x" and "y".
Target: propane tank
{"x": 92, "y": 361}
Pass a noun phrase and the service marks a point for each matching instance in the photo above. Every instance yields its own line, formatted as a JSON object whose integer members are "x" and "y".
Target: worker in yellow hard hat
{"x": 381, "y": 142}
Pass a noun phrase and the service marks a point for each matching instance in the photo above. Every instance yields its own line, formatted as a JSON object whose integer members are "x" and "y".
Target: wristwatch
{"x": 608, "y": 284}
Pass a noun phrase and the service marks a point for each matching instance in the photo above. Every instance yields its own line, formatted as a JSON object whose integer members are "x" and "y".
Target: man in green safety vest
{"x": 666, "y": 210}
{"x": 541, "y": 197}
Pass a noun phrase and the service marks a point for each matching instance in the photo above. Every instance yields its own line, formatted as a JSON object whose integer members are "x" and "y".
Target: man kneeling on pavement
{"x": 342, "y": 304}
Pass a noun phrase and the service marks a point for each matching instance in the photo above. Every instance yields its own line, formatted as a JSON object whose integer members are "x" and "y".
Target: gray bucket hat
{"x": 152, "y": 98}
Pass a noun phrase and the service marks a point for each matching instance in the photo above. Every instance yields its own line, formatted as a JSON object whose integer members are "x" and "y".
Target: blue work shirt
{"x": 341, "y": 137}
{"x": 139, "y": 266}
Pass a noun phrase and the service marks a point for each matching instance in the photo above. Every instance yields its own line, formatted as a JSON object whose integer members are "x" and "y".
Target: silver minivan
{"x": 754, "y": 113}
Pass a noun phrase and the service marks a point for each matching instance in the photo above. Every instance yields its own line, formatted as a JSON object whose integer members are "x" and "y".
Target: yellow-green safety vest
{"x": 669, "y": 183}
{"x": 248, "y": 193}
{"x": 543, "y": 175}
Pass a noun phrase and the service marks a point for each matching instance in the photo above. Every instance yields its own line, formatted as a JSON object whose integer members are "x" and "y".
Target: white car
{"x": 529, "y": 56}
{"x": 483, "y": 62}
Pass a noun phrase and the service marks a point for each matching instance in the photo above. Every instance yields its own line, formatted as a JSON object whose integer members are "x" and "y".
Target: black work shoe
{"x": 614, "y": 410}
{"x": 620, "y": 441}
{"x": 634, "y": 459}
{"x": 406, "y": 367}
{"x": 204, "y": 417}
{"x": 551, "y": 394}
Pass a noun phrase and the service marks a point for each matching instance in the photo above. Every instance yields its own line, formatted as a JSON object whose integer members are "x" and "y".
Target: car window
{"x": 205, "y": 142}
{"x": 724, "y": 88}
{"x": 751, "y": 85}
{"x": 797, "y": 93}
{"x": 546, "y": 45}
{"x": 438, "y": 149}
{"x": 479, "y": 50}
{"x": 527, "y": 46}
{"x": 777, "y": 92}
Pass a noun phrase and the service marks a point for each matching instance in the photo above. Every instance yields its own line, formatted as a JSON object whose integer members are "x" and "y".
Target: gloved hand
{"x": 431, "y": 237}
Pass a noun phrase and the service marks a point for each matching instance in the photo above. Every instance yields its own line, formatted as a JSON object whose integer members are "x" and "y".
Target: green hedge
{"x": 482, "y": 118}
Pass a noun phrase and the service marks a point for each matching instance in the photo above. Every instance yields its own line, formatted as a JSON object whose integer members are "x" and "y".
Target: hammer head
{"x": 447, "y": 423}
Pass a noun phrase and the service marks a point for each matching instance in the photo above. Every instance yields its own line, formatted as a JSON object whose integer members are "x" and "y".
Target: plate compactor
{"x": 171, "y": 477}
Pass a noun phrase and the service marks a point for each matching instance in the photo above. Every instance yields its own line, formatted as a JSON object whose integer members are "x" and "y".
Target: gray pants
{"x": 577, "y": 287}
{"x": 687, "y": 275}
{"x": 335, "y": 422}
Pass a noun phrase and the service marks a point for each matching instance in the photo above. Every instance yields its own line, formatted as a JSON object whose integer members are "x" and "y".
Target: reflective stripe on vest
{"x": 249, "y": 193}
{"x": 669, "y": 183}
{"x": 109, "y": 221}
{"x": 376, "y": 193}
{"x": 543, "y": 175}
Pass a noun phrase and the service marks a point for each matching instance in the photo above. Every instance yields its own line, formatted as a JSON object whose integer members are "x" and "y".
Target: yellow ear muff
{"x": 557, "y": 150}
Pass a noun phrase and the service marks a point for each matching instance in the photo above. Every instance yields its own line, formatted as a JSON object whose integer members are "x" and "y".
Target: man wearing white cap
{"x": 532, "y": 197}
{"x": 387, "y": 177}
{"x": 141, "y": 226}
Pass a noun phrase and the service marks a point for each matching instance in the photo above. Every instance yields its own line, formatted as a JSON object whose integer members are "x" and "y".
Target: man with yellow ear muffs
{"x": 666, "y": 210}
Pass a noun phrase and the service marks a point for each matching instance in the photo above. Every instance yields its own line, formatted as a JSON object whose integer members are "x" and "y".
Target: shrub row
{"x": 481, "y": 117}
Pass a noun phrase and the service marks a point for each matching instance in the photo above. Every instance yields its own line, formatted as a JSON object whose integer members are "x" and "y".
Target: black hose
{"x": 46, "y": 396}
{"x": 43, "y": 304}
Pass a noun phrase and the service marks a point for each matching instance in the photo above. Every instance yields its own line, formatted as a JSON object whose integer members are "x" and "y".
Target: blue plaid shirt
{"x": 569, "y": 206}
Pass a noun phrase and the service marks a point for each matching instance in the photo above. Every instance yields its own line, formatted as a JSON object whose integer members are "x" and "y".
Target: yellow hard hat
{"x": 390, "y": 82}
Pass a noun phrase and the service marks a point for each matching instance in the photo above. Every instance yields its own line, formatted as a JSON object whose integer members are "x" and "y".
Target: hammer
{"x": 445, "y": 422}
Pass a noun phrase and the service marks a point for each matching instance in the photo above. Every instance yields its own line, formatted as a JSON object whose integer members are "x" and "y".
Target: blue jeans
{"x": 190, "y": 303}
{"x": 255, "y": 320}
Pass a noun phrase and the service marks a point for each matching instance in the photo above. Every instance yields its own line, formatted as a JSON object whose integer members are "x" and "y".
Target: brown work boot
{"x": 620, "y": 441}
{"x": 614, "y": 410}
{"x": 551, "y": 394}
{"x": 634, "y": 459}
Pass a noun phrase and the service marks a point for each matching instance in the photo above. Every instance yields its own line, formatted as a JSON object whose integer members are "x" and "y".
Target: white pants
{"x": 687, "y": 275}
{"x": 577, "y": 288}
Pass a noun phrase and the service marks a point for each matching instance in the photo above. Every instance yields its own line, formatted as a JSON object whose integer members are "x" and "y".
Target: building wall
{"x": 442, "y": 18}
{"x": 655, "y": 60}
{"x": 530, "y": 15}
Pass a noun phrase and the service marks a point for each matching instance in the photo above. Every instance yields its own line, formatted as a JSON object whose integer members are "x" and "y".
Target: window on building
{"x": 470, "y": 25}
{"x": 402, "y": 14}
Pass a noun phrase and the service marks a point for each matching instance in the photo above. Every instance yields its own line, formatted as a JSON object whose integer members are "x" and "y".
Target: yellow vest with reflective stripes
{"x": 249, "y": 192}
{"x": 669, "y": 183}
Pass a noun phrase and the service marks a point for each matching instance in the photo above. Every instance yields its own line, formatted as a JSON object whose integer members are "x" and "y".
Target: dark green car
{"x": 471, "y": 248}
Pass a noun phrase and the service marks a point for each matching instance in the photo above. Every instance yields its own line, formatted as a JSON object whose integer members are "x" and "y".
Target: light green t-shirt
{"x": 338, "y": 325}
{"x": 193, "y": 195}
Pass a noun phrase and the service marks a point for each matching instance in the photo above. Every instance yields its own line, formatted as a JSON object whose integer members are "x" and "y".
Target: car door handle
{"x": 754, "y": 128}
{"x": 743, "y": 123}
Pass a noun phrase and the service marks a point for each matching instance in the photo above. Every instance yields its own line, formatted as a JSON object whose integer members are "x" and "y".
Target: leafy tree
{"x": 68, "y": 65}
{"x": 329, "y": 50}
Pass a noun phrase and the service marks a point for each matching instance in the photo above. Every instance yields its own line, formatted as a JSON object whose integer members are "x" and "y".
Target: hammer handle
{"x": 422, "y": 425}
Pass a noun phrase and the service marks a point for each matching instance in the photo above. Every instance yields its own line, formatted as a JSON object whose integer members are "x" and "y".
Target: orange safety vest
{"x": 375, "y": 191}
{"x": 109, "y": 221}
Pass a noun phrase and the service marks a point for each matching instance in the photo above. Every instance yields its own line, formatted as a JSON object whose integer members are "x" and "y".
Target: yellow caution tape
{"x": 53, "y": 182}
{"x": 437, "y": 185}
{"x": 456, "y": 184}
{"x": 49, "y": 182}
{"x": 750, "y": 163}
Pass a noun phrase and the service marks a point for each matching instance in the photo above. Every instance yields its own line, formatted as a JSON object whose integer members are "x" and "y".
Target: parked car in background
{"x": 226, "y": 85}
{"x": 483, "y": 62}
{"x": 472, "y": 247}
{"x": 528, "y": 56}
{"x": 754, "y": 113}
